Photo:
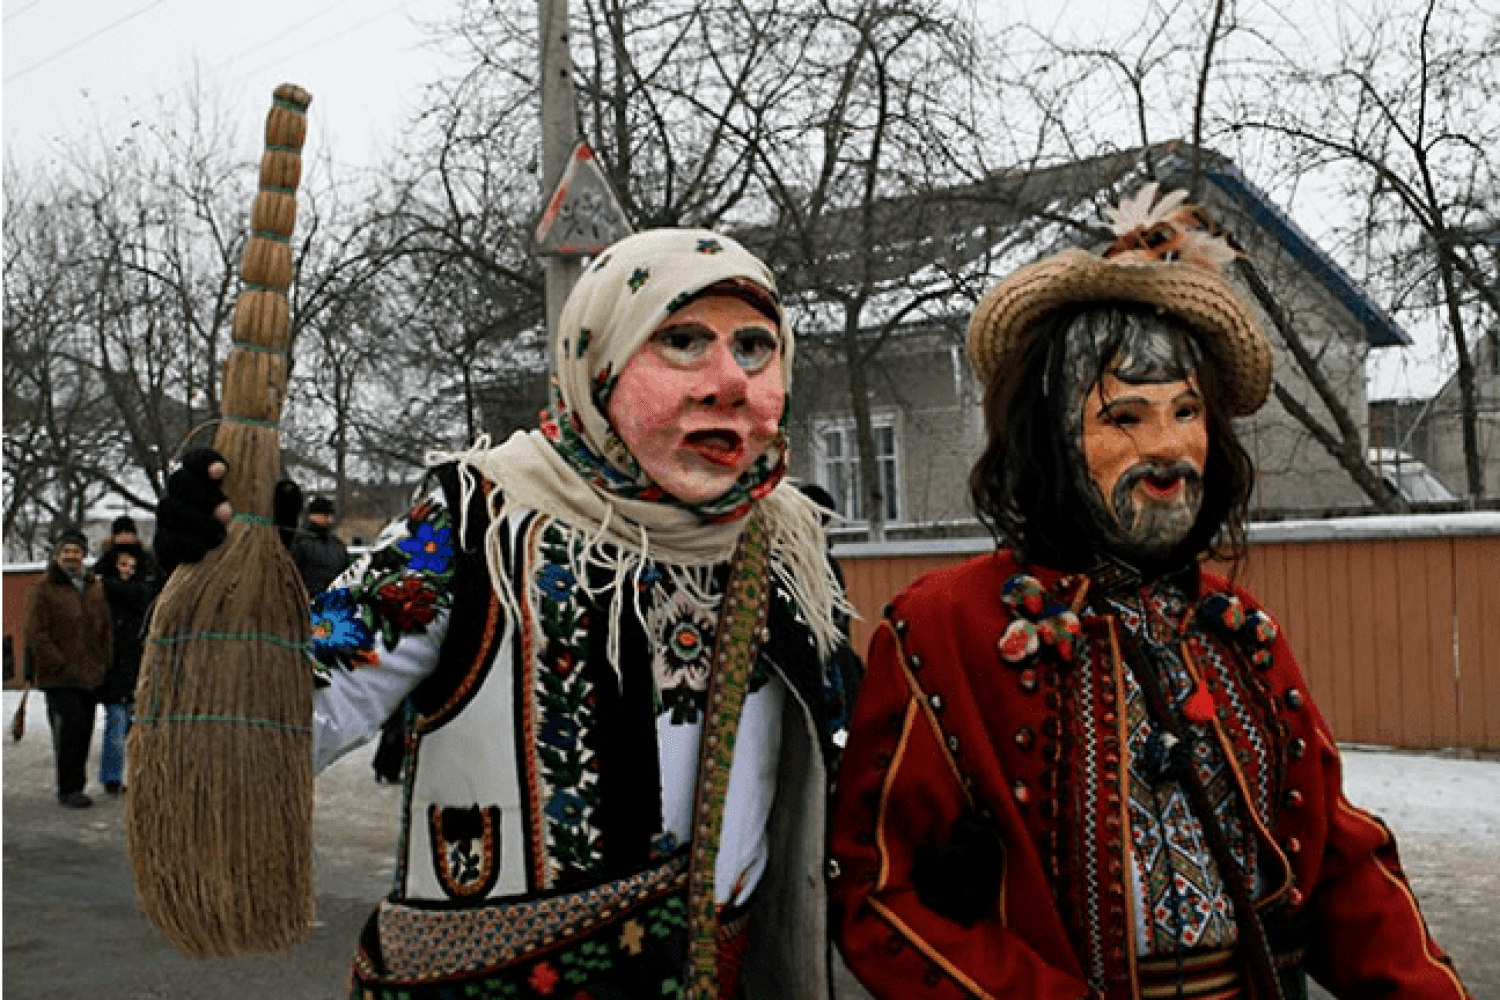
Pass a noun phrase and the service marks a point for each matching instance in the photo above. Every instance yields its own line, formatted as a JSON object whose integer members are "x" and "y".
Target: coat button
{"x": 915, "y": 661}
{"x": 834, "y": 871}
{"x": 1293, "y": 845}
{"x": 1028, "y": 680}
{"x": 1025, "y": 739}
{"x": 1297, "y": 748}
{"x": 1295, "y": 897}
{"x": 1294, "y": 799}
{"x": 1022, "y": 793}
{"x": 936, "y": 701}
{"x": 953, "y": 744}
{"x": 1294, "y": 698}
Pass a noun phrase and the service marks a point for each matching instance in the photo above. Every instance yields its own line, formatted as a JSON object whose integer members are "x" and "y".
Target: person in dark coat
{"x": 125, "y": 536}
{"x": 129, "y": 603}
{"x": 319, "y": 554}
{"x": 68, "y": 641}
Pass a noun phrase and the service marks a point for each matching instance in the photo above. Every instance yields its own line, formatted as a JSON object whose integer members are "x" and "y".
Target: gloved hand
{"x": 286, "y": 509}
{"x": 960, "y": 880}
{"x": 191, "y": 517}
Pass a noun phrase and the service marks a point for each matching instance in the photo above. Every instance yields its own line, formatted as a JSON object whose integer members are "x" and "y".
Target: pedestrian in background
{"x": 124, "y": 536}
{"x": 68, "y": 639}
{"x": 129, "y": 602}
{"x": 319, "y": 554}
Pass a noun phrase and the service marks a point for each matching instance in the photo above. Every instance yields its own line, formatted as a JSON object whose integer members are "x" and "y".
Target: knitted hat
{"x": 320, "y": 505}
{"x": 122, "y": 523}
{"x": 71, "y": 536}
{"x": 1161, "y": 257}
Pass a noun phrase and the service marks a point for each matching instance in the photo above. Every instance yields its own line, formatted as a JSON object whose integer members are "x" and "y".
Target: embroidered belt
{"x": 630, "y": 931}
{"x": 1194, "y": 975}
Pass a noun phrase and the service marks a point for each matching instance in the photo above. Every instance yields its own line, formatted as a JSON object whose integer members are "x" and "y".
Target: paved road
{"x": 72, "y": 928}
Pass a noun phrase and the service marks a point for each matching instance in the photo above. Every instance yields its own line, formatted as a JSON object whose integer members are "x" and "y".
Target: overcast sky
{"x": 82, "y": 70}
{"x": 78, "y": 67}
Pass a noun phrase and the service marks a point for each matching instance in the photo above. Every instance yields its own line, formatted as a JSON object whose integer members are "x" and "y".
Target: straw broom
{"x": 220, "y": 758}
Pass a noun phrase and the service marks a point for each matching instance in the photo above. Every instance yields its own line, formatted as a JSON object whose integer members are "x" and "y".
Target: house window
{"x": 838, "y": 465}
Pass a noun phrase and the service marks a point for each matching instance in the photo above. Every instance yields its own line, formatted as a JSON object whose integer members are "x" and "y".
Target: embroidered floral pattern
{"x": 565, "y": 715}
{"x": 682, "y": 632}
{"x": 399, "y": 590}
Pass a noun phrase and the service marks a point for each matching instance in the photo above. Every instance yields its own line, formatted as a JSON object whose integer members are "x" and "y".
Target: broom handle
{"x": 255, "y": 372}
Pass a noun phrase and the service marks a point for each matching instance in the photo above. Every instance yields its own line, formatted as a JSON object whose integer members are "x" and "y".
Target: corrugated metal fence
{"x": 1395, "y": 621}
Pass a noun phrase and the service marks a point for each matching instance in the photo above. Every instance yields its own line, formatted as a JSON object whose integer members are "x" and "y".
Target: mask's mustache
{"x": 1163, "y": 473}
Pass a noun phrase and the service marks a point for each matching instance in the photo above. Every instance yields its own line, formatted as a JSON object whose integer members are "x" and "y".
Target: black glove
{"x": 286, "y": 509}
{"x": 187, "y": 524}
{"x": 960, "y": 880}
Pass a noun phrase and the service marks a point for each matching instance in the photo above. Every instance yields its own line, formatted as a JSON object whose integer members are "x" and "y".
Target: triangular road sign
{"x": 583, "y": 216}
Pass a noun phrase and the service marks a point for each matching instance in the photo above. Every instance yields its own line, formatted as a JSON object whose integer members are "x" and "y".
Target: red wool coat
{"x": 1027, "y": 735}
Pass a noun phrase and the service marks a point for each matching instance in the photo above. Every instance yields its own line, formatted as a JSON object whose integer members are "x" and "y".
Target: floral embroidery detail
{"x": 709, "y": 245}
{"x": 543, "y": 978}
{"x": 602, "y": 262}
{"x": 398, "y": 591}
{"x": 638, "y": 279}
{"x": 682, "y": 632}
{"x": 409, "y": 603}
{"x": 585, "y": 337}
{"x": 631, "y": 936}
{"x": 428, "y": 548}
{"x": 337, "y": 629}
{"x": 1041, "y": 622}
{"x": 1253, "y": 631}
{"x": 565, "y": 713}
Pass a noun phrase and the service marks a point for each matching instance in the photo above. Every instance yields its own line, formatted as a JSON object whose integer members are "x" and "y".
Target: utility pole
{"x": 559, "y": 134}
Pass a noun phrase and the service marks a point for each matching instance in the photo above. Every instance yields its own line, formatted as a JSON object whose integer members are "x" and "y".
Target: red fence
{"x": 1396, "y": 622}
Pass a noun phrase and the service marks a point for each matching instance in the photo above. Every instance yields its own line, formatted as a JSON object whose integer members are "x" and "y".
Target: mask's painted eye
{"x": 1119, "y": 416}
{"x": 755, "y": 348}
{"x": 683, "y": 345}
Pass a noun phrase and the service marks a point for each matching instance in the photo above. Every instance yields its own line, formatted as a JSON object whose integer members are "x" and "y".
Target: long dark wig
{"x": 1024, "y": 485}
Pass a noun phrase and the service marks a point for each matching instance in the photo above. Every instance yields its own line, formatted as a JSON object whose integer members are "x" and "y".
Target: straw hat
{"x": 1161, "y": 257}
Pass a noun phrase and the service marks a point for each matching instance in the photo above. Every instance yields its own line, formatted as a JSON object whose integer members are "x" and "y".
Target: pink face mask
{"x": 701, "y": 400}
{"x": 1146, "y": 445}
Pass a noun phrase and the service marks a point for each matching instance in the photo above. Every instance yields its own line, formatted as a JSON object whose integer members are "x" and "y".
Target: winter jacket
{"x": 67, "y": 631}
{"x": 129, "y": 602}
{"x": 320, "y": 557}
{"x": 999, "y": 711}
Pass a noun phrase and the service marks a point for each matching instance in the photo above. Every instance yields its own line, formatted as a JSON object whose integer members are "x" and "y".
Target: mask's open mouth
{"x": 1162, "y": 487}
{"x": 721, "y": 447}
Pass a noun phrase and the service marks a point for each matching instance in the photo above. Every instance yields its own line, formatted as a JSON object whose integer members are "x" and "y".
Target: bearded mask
{"x": 1135, "y": 424}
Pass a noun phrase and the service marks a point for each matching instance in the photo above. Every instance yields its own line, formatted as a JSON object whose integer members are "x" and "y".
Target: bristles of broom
{"x": 220, "y": 758}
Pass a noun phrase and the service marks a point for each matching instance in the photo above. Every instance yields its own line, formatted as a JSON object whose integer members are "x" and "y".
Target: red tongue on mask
{"x": 723, "y": 447}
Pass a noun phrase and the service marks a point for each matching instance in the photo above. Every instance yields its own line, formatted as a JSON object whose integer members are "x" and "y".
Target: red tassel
{"x": 1199, "y": 708}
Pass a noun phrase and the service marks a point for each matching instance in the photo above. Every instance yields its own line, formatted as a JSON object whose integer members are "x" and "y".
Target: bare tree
{"x": 1406, "y": 121}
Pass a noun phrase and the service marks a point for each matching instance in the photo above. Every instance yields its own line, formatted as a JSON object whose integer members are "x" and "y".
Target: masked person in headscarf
{"x": 1082, "y": 766}
{"x": 613, "y": 631}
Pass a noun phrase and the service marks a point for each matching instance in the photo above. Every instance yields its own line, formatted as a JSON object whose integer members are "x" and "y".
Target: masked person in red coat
{"x": 1082, "y": 766}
